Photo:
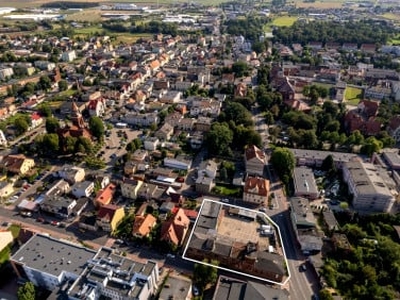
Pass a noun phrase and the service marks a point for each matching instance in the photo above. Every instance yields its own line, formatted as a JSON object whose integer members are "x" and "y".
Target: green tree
{"x": 51, "y": 142}
{"x": 21, "y": 125}
{"x": 205, "y": 274}
{"x": 283, "y": 161}
{"x": 45, "y": 82}
{"x": 62, "y": 85}
{"x": 240, "y": 68}
{"x": 84, "y": 145}
{"x": 324, "y": 294}
{"x": 26, "y": 292}
{"x": 328, "y": 165}
{"x": 45, "y": 110}
{"x": 70, "y": 144}
{"x": 52, "y": 125}
{"x": 219, "y": 139}
{"x": 96, "y": 127}
{"x": 371, "y": 146}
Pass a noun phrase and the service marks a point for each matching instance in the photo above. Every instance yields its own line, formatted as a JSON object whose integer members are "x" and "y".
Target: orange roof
{"x": 105, "y": 195}
{"x": 174, "y": 230}
{"x": 154, "y": 64}
{"x": 143, "y": 225}
{"x": 257, "y": 185}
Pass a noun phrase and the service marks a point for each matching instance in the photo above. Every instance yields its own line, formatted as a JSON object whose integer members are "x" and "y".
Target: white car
{"x": 169, "y": 255}
{"x": 195, "y": 291}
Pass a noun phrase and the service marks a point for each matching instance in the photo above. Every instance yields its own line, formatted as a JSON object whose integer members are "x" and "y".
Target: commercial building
{"x": 231, "y": 235}
{"x": 314, "y": 158}
{"x": 75, "y": 272}
{"x": 370, "y": 191}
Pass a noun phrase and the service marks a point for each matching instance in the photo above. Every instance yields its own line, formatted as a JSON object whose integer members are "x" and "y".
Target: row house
{"x": 165, "y": 132}
{"x": 6, "y": 73}
{"x": 256, "y": 190}
{"x": 255, "y": 161}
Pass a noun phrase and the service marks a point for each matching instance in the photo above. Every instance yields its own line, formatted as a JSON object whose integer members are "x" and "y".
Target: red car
{"x": 41, "y": 220}
{"x": 55, "y": 223}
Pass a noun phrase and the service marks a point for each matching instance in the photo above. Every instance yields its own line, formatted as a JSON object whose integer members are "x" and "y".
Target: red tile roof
{"x": 105, "y": 195}
{"x": 107, "y": 212}
{"x": 174, "y": 230}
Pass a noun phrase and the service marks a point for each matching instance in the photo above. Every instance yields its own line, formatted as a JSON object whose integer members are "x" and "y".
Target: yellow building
{"x": 109, "y": 217}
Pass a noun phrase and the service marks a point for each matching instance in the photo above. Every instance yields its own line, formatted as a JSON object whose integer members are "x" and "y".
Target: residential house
{"x": 256, "y": 190}
{"x": 380, "y": 91}
{"x": 6, "y": 189}
{"x": 396, "y": 90}
{"x": 59, "y": 187}
{"x": 364, "y": 118}
{"x": 71, "y": 174}
{"x": 304, "y": 183}
{"x": 204, "y": 107}
{"x": 130, "y": 188}
{"x": 82, "y": 189}
{"x": 109, "y": 216}
{"x": 143, "y": 225}
{"x": 203, "y": 124}
{"x": 6, "y": 73}
{"x": 96, "y": 107}
{"x": 174, "y": 230}
{"x": 180, "y": 162}
{"x": 165, "y": 132}
{"x": 171, "y": 97}
{"x": 58, "y": 205}
{"x": 370, "y": 190}
{"x": 36, "y": 120}
{"x": 151, "y": 143}
{"x": 205, "y": 176}
{"x": 146, "y": 119}
{"x": 105, "y": 196}
{"x": 283, "y": 86}
{"x": 17, "y": 164}
{"x": 88, "y": 221}
{"x": 68, "y": 56}
{"x": 130, "y": 167}
{"x": 173, "y": 119}
{"x": 304, "y": 224}
{"x": 255, "y": 160}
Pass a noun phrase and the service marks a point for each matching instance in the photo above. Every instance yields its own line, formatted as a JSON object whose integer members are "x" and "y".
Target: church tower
{"x": 76, "y": 117}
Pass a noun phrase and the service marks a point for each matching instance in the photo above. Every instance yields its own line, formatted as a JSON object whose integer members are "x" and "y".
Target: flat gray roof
{"x": 301, "y": 211}
{"x": 177, "y": 287}
{"x": 304, "y": 181}
{"x": 321, "y": 155}
{"x": 53, "y": 256}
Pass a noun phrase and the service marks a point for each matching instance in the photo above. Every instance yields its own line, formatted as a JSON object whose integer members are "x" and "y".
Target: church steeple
{"x": 76, "y": 116}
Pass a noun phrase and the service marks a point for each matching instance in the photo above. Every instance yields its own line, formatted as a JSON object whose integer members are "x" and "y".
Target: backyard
{"x": 353, "y": 95}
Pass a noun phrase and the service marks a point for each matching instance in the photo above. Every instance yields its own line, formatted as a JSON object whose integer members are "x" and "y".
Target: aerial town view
{"x": 202, "y": 149}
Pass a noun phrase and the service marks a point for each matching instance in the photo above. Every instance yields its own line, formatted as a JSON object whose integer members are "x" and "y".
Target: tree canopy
{"x": 26, "y": 291}
{"x": 96, "y": 127}
{"x": 284, "y": 162}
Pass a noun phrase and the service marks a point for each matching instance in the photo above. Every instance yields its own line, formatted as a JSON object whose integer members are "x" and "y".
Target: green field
{"x": 284, "y": 21}
{"x": 353, "y": 95}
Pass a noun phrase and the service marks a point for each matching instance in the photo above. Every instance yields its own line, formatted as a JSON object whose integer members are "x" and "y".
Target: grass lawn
{"x": 353, "y": 95}
{"x": 227, "y": 191}
{"x": 284, "y": 21}
{"x": 15, "y": 230}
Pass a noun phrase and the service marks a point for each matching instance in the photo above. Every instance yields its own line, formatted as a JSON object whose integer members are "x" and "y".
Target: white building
{"x": 304, "y": 183}
{"x": 179, "y": 163}
{"x": 68, "y": 56}
{"x": 3, "y": 140}
{"x": 83, "y": 189}
{"x": 6, "y": 72}
{"x": 151, "y": 143}
{"x": 369, "y": 189}
{"x": 72, "y": 174}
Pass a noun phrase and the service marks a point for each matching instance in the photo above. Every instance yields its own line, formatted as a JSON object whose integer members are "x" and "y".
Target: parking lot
{"x": 116, "y": 141}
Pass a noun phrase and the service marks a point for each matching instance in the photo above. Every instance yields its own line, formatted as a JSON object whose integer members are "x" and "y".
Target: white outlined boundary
{"x": 234, "y": 271}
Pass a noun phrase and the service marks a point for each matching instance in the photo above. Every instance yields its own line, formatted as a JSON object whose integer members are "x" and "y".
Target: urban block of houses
{"x": 130, "y": 188}
{"x": 50, "y": 264}
{"x": 315, "y": 158}
{"x": 304, "y": 183}
{"x": 255, "y": 161}
{"x": 246, "y": 253}
{"x": 256, "y": 190}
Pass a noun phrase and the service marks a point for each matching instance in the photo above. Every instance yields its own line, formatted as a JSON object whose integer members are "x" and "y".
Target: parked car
{"x": 55, "y": 223}
{"x": 169, "y": 255}
{"x": 41, "y": 220}
{"x": 26, "y": 213}
{"x": 195, "y": 291}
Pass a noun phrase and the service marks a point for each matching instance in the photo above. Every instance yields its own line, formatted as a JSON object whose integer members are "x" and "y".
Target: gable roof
{"x": 256, "y": 185}
{"x": 174, "y": 229}
{"x": 105, "y": 195}
{"x": 254, "y": 152}
{"x": 143, "y": 225}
